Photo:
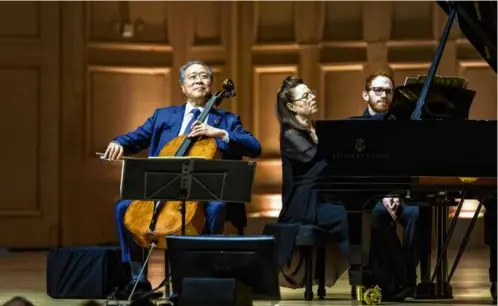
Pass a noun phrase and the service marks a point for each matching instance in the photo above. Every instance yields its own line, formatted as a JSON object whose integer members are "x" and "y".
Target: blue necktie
{"x": 196, "y": 114}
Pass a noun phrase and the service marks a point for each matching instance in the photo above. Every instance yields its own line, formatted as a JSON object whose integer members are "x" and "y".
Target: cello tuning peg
{"x": 228, "y": 85}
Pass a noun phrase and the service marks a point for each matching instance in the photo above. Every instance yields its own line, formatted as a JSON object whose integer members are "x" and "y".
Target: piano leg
{"x": 441, "y": 288}
{"x": 359, "y": 243}
{"x": 490, "y": 231}
{"x": 363, "y": 289}
{"x": 492, "y": 271}
{"x": 426, "y": 219}
{"x": 465, "y": 240}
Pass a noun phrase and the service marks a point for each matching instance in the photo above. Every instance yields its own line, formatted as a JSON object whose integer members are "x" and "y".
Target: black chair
{"x": 308, "y": 237}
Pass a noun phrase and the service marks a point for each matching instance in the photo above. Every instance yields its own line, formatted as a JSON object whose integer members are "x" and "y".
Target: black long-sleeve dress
{"x": 301, "y": 204}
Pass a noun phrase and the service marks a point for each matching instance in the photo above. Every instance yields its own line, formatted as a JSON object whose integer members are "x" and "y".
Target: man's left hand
{"x": 202, "y": 129}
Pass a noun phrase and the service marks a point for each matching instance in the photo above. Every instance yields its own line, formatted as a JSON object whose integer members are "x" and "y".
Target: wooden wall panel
{"x": 275, "y": 21}
{"x": 123, "y": 73}
{"x": 412, "y": 20}
{"x": 483, "y": 81}
{"x": 267, "y": 80}
{"x": 342, "y": 21}
{"x": 20, "y": 20}
{"x": 142, "y": 21}
{"x": 20, "y": 164}
{"x": 268, "y": 176}
{"x": 341, "y": 89}
{"x": 118, "y": 100}
{"x": 29, "y": 87}
{"x": 115, "y": 93}
{"x": 121, "y": 60}
{"x": 219, "y": 75}
{"x": 207, "y": 22}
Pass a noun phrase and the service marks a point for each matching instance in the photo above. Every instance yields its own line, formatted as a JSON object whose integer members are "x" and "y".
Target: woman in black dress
{"x": 296, "y": 104}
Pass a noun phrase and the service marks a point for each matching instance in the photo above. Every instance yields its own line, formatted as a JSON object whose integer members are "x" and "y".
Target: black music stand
{"x": 187, "y": 179}
{"x": 446, "y": 99}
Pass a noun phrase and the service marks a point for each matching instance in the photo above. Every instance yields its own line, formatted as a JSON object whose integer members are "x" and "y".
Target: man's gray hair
{"x": 185, "y": 67}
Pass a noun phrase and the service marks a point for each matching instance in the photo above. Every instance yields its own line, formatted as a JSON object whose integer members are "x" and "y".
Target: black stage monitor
{"x": 223, "y": 270}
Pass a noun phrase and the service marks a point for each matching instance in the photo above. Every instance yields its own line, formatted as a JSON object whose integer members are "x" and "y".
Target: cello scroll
{"x": 227, "y": 92}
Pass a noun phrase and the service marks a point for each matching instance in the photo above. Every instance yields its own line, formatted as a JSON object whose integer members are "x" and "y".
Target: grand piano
{"x": 426, "y": 149}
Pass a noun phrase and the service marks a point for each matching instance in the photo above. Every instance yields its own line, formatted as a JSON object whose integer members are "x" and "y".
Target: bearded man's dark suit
{"x": 393, "y": 265}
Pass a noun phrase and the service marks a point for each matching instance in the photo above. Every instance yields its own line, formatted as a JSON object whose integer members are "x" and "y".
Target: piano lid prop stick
{"x": 417, "y": 112}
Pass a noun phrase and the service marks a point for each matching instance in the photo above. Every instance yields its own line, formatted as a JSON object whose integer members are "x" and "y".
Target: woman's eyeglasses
{"x": 307, "y": 96}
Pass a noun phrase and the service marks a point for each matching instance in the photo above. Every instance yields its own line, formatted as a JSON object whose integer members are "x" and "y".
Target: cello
{"x": 148, "y": 220}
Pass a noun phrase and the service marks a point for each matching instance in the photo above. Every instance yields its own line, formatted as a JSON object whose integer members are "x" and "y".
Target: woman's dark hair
{"x": 285, "y": 95}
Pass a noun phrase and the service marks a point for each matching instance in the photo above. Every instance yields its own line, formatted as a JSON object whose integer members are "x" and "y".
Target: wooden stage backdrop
{"x": 75, "y": 74}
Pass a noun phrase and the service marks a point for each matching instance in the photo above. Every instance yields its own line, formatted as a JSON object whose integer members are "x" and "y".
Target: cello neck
{"x": 208, "y": 107}
{"x": 227, "y": 92}
{"x": 187, "y": 142}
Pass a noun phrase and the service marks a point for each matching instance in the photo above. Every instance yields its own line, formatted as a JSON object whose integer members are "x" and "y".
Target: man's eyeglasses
{"x": 193, "y": 77}
{"x": 379, "y": 90}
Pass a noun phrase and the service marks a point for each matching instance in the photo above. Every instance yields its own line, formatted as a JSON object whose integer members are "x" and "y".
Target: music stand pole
{"x": 184, "y": 192}
{"x": 183, "y": 212}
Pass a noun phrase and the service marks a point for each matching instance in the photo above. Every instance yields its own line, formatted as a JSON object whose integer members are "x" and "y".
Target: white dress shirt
{"x": 189, "y": 115}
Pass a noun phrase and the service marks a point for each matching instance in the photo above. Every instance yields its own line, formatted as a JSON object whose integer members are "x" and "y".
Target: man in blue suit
{"x": 166, "y": 123}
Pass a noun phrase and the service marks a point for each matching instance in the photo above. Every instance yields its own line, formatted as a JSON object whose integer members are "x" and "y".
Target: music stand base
{"x": 427, "y": 291}
{"x": 360, "y": 276}
{"x": 214, "y": 292}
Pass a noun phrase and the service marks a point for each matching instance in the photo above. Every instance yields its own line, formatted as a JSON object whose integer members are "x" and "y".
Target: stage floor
{"x": 23, "y": 274}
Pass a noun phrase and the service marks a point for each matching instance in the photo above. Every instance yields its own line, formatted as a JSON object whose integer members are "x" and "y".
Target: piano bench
{"x": 307, "y": 238}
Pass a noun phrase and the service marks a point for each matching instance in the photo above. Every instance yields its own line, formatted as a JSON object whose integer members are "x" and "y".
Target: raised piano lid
{"x": 443, "y": 102}
{"x": 477, "y": 21}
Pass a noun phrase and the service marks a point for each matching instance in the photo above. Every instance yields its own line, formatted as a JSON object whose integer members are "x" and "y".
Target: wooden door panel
{"x": 29, "y": 91}
{"x": 120, "y": 99}
{"x": 117, "y": 100}
{"x": 20, "y": 112}
{"x": 20, "y": 20}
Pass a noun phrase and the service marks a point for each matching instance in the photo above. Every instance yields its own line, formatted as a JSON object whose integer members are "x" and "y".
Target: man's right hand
{"x": 114, "y": 151}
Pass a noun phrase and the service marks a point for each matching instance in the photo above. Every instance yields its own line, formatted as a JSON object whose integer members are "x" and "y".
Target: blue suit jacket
{"x": 164, "y": 125}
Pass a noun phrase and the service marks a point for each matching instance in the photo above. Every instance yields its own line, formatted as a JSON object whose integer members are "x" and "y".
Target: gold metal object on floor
{"x": 372, "y": 296}
{"x": 359, "y": 293}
